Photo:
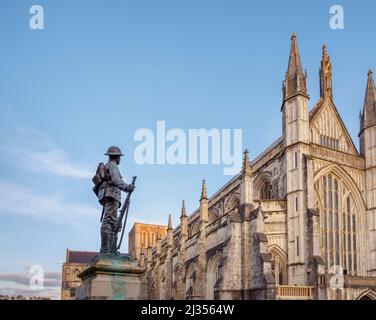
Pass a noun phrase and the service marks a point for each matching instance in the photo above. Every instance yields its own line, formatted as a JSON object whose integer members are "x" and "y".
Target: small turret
{"x": 368, "y": 116}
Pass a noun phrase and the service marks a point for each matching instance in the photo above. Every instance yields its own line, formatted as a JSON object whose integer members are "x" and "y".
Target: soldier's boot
{"x": 105, "y": 241}
{"x": 113, "y": 243}
{"x": 110, "y": 241}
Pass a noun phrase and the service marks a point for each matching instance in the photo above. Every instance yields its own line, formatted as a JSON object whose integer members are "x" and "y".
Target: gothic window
{"x": 338, "y": 224}
{"x": 349, "y": 235}
{"x": 266, "y": 191}
{"x": 329, "y": 142}
{"x": 176, "y": 241}
{"x": 190, "y": 227}
{"x": 232, "y": 205}
{"x": 193, "y": 228}
{"x": 213, "y": 215}
{"x": 295, "y": 160}
{"x": 297, "y": 246}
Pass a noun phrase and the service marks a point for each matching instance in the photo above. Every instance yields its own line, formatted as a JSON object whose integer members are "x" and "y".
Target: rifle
{"x": 102, "y": 214}
{"x": 123, "y": 211}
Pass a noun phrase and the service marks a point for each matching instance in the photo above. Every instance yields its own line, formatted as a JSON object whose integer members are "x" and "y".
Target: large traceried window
{"x": 338, "y": 219}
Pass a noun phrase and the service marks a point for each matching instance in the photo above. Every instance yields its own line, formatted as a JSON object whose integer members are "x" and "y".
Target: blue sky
{"x": 100, "y": 70}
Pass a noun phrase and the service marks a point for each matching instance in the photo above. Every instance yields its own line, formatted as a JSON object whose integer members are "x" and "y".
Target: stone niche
{"x": 111, "y": 277}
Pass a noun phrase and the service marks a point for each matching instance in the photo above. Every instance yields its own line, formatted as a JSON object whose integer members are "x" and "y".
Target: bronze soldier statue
{"x": 109, "y": 196}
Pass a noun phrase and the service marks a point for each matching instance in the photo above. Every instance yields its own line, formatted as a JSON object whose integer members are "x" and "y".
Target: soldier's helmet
{"x": 113, "y": 151}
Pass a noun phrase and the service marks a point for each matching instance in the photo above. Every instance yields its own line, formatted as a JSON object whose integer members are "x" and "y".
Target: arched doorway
{"x": 213, "y": 275}
{"x": 367, "y": 295}
{"x": 279, "y": 265}
{"x": 190, "y": 278}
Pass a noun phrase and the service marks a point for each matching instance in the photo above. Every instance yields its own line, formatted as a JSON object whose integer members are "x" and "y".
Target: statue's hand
{"x": 130, "y": 187}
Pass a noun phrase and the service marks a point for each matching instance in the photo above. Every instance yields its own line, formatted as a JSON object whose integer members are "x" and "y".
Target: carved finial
{"x": 325, "y": 55}
{"x": 370, "y": 73}
{"x": 203, "y": 191}
{"x": 246, "y": 163}
{"x": 183, "y": 211}
{"x": 325, "y": 75}
{"x": 169, "y": 227}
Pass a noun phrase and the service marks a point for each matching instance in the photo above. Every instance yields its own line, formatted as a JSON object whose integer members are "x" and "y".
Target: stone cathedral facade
{"x": 298, "y": 222}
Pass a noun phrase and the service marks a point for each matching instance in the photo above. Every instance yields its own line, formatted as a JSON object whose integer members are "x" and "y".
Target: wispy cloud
{"x": 20, "y": 200}
{"x": 35, "y": 152}
{"x": 54, "y": 161}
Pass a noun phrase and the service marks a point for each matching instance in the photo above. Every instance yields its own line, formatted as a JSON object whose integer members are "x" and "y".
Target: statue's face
{"x": 115, "y": 159}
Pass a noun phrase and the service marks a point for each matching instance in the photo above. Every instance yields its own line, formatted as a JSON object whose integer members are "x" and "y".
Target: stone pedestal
{"x": 111, "y": 277}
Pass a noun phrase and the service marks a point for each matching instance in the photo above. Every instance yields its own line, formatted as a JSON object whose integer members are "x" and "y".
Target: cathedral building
{"x": 75, "y": 263}
{"x": 143, "y": 236}
{"x": 298, "y": 222}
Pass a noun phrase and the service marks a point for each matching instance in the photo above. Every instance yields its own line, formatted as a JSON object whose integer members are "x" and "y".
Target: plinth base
{"x": 111, "y": 277}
